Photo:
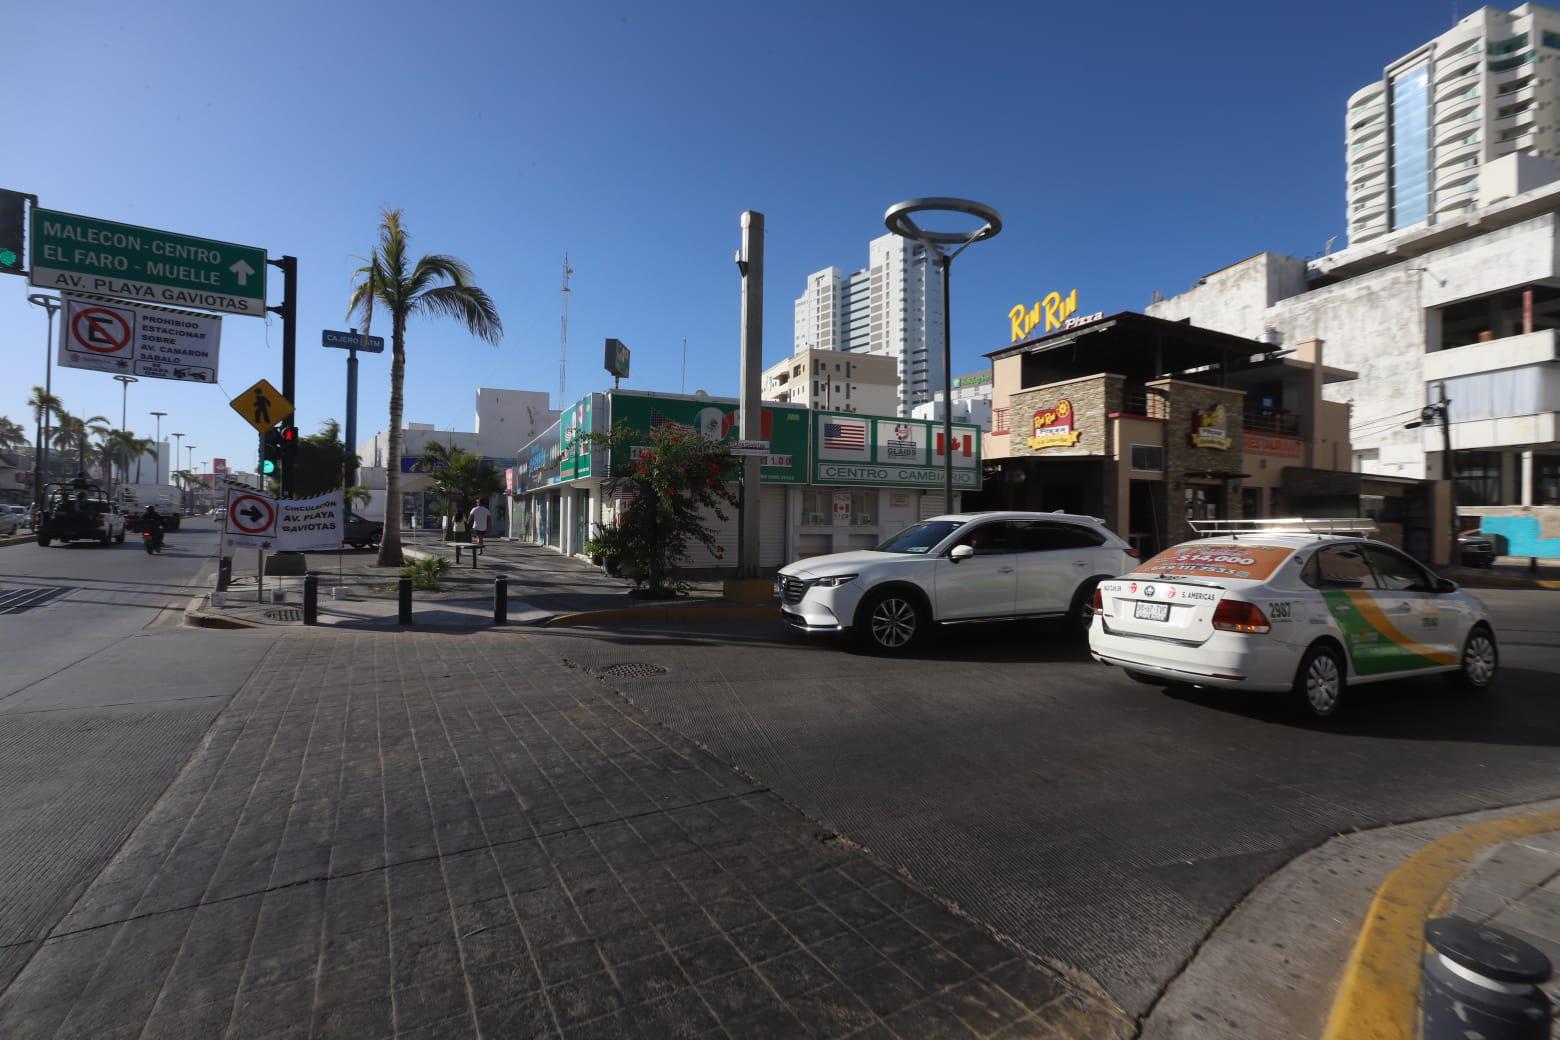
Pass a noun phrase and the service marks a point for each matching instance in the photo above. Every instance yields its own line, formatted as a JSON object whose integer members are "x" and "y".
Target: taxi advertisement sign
{"x": 1201, "y": 560}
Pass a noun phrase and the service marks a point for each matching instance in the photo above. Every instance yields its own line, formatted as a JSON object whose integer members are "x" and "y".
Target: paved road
{"x": 1094, "y": 820}
{"x": 102, "y": 698}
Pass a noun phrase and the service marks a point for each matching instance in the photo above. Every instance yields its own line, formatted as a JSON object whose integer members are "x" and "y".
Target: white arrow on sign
{"x": 243, "y": 270}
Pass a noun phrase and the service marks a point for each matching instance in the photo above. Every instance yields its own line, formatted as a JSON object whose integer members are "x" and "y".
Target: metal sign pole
{"x": 751, "y": 416}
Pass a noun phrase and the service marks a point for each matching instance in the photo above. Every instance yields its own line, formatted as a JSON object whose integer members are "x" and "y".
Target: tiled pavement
{"x": 425, "y": 835}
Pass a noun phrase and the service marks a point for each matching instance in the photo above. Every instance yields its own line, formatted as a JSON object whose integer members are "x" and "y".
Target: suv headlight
{"x": 834, "y": 582}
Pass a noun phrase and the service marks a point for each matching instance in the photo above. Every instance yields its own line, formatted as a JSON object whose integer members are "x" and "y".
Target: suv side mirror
{"x": 961, "y": 552}
{"x": 1445, "y": 585}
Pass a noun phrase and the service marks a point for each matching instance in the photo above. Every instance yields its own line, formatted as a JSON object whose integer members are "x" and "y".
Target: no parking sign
{"x": 157, "y": 342}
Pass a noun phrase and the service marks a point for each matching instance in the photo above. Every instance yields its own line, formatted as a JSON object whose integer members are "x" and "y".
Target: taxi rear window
{"x": 1208, "y": 560}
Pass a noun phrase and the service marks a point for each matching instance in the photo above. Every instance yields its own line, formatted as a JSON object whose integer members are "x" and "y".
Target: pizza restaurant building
{"x": 1151, "y": 423}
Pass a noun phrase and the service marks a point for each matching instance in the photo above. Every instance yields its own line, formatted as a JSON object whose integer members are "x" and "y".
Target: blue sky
{"x": 1129, "y": 147}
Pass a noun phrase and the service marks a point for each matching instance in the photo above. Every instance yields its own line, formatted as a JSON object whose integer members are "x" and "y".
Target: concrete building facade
{"x": 1472, "y": 307}
{"x": 893, "y": 307}
{"x": 971, "y": 401}
{"x": 837, "y": 380}
{"x": 1418, "y": 139}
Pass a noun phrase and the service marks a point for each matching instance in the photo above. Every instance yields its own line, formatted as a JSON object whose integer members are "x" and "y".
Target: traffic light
{"x": 271, "y": 452}
{"x": 13, "y": 221}
{"x": 289, "y": 442}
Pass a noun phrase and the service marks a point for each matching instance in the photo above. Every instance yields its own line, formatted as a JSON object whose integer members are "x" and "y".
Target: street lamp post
{"x": 1439, "y": 411}
{"x": 124, "y": 422}
{"x": 189, "y": 466}
{"x": 159, "y": 446}
{"x": 41, "y": 454}
{"x": 944, "y": 246}
{"x": 178, "y": 441}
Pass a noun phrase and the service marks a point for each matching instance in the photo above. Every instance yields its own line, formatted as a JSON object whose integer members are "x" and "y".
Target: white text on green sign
{"x": 83, "y": 254}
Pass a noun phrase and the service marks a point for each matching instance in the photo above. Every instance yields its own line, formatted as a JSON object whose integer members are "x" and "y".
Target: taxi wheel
{"x": 1080, "y": 615}
{"x": 1320, "y": 681}
{"x": 890, "y": 621}
{"x": 1480, "y": 661}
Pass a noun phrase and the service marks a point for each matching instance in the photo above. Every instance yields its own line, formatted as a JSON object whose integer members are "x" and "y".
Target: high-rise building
{"x": 1418, "y": 137}
{"x": 891, "y": 307}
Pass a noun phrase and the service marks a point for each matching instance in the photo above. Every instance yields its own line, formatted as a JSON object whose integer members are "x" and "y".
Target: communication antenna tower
{"x": 563, "y": 334}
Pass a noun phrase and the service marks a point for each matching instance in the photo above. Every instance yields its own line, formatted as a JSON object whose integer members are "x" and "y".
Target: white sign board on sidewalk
{"x": 154, "y": 342}
{"x": 309, "y": 523}
{"x": 250, "y": 521}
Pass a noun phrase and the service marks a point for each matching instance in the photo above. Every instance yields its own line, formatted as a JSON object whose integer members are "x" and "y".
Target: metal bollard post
{"x": 500, "y": 601}
{"x": 311, "y": 599}
{"x": 224, "y": 573}
{"x": 405, "y": 592}
{"x": 1480, "y": 981}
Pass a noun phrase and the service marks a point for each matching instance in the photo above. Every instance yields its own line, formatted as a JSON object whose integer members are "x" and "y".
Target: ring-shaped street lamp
{"x": 900, "y": 219}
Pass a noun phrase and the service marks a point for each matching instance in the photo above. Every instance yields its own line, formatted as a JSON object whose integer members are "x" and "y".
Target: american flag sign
{"x": 845, "y": 436}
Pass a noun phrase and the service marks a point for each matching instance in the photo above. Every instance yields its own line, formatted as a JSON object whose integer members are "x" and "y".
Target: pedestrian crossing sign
{"x": 262, "y": 406}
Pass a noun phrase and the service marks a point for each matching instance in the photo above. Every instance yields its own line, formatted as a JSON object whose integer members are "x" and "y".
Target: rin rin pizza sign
{"x": 1053, "y": 427}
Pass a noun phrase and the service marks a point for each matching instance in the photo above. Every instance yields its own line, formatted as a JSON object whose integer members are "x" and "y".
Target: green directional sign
{"x": 84, "y": 254}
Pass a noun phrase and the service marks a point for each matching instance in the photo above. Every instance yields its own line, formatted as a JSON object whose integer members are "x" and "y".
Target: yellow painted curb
{"x": 1379, "y": 993}
{"x": 595, "y": 617}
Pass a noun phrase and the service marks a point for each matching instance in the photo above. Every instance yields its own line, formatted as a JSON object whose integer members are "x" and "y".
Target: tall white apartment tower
{"x": 1419, "y": 136}
{"x": 892, "y": 307}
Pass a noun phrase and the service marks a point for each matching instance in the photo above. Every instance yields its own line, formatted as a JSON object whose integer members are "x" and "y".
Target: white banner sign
{"x": 258, "y": 521}
{"x": 310, "y": 523}
{"x": 155, "y": 342}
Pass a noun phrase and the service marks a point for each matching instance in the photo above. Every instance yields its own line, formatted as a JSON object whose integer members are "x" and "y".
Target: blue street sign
{"x": 352, "y": 341}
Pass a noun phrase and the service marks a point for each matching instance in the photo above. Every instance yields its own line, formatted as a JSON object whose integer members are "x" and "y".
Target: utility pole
{"x": 124, "y": 421}
{"x": 289, "y": 312}
{"x": 41, "y": 454}
{"x": 682, "y": 387}
{"x": 750, "y": 261}
{"x": 563, "y": 334}
{"x": 1450, "y": 467}
{"x": 159, "y": 446}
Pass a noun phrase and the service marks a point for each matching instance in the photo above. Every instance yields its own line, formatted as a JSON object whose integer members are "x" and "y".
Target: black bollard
{"x": 500, "y": 601}
{"x": 406, "y": 601}
{"x": 1479, "y": 981}
{"x": 311, "y": 599}
{"x": 224, "y": 573}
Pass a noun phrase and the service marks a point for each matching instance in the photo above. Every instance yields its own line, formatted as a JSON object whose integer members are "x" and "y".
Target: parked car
{"x": 1475, "y": 549}
{"x": 361, "y": 532}
{"x": 1272, "y": 609}
{"x": 9, "y": 522}
{"x": 951, "y": 569}
{"x": 23, "y": 515}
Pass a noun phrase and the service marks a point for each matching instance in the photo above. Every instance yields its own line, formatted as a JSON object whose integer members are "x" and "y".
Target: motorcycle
{"x": 152, "y": 541}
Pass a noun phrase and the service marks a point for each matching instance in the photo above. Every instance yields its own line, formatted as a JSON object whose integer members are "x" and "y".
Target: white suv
{"x": 956, "y": 568}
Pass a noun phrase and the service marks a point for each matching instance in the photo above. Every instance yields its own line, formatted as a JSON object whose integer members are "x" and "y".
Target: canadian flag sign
{"x": 963, "y": 448}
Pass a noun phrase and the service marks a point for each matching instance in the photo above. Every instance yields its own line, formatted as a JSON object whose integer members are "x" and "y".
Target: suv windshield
{"x": 919, "y": 538}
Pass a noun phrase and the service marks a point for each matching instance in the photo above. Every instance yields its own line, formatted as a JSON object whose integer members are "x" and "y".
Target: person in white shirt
{"x": 480, "y": 515}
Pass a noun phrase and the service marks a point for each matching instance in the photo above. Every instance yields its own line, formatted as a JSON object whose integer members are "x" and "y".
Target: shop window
{"x": 1546, "y": 480}
{"x": 1148, "y": 457}
{"x": 1478, "y": 478}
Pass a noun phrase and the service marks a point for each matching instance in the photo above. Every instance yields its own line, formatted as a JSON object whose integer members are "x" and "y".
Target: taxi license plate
{"x": 1151, "y": 611}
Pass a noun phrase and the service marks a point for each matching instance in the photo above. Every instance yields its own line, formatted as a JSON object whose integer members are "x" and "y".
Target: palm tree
{"x": 435, "y": 285}
{"x": 140, "y": 447}
{"x": 12, "y": 435}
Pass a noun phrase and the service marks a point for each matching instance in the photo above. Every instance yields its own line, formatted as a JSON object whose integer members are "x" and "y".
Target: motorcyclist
{"x": 152, "y": 527}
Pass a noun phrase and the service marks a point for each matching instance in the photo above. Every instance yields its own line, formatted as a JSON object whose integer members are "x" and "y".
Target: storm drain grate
{"x": 15, "y": 601}
{"x": 285, "y": 614}
{"x": 633, "y": 670}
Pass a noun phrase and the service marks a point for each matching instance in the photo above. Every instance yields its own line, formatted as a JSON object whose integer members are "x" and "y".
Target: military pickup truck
{"x": 78, "y": 511}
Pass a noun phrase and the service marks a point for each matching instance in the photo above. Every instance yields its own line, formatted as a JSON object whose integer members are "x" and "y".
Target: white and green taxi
{"x": 1309, "y": 606}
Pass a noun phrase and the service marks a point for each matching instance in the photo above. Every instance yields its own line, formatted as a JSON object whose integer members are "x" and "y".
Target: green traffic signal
{"x": 8, "y": 258}
{"x": 268, "y": 467}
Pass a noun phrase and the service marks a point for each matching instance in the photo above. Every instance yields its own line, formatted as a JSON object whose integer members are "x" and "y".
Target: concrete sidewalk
{"x": 1277, "y": 965}
{"x": 428, "y": 835}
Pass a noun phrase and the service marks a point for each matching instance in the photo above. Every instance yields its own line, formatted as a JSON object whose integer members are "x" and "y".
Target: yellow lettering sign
{"x": 1049, "y": 314}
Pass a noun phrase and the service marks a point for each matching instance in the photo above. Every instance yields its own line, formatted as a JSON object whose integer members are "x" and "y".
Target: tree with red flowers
{"x": 672, "y": 480}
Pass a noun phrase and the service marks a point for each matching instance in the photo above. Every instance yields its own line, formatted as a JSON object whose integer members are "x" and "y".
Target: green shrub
{"x": 425, "y": 573}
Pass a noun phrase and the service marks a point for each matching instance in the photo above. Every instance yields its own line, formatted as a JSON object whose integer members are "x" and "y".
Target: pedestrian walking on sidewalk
{"x": 480, "y": 516}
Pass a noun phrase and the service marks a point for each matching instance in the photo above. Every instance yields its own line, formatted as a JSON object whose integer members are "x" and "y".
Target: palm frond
{"x": 467, "y": 304}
